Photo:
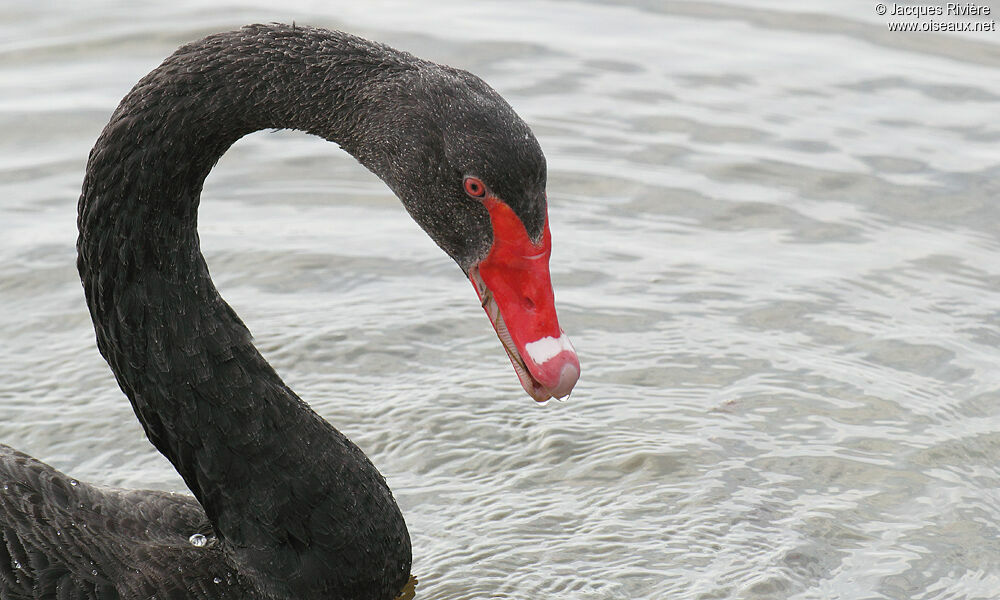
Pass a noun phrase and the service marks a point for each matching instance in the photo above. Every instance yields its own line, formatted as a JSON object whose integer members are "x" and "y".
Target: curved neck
{"x": 297, "y": 506}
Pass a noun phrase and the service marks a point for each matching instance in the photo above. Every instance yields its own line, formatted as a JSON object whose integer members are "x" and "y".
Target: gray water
{"x": 776, "y": 248}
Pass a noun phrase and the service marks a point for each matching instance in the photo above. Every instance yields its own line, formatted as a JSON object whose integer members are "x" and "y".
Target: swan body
{"x": 284, "y": 505}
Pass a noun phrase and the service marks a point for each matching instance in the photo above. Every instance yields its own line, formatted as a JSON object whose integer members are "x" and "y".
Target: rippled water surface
{"x": 776, "y": 249}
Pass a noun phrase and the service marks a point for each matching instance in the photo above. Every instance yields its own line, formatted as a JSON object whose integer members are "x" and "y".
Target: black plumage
{"x": 287, "y": 506}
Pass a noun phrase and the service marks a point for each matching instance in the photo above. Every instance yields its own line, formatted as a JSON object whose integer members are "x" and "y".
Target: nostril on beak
{"x": 529, "y": 304}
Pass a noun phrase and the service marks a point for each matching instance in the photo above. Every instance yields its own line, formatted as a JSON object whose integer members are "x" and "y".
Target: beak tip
{"x": 568, "y": 377}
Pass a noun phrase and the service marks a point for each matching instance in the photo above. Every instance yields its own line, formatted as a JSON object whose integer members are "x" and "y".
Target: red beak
{"x": 515, "y": 288}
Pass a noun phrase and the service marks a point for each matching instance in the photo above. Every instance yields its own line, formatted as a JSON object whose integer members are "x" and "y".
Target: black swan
{"x": 284, "y": 505}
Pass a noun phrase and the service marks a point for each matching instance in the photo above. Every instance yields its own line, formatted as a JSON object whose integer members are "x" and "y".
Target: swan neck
{"x": 297, "y": 506}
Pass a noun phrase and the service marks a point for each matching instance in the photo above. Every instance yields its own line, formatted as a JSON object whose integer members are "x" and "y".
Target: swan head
{"x": 471, "y": 173}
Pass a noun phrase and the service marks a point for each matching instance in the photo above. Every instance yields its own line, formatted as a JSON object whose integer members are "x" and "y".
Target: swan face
{"x": 451, "y": 128}
{"x": 503, "y": 174}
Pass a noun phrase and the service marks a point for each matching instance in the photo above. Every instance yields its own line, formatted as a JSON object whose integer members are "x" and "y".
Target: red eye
{"x": 474, "y": 187}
